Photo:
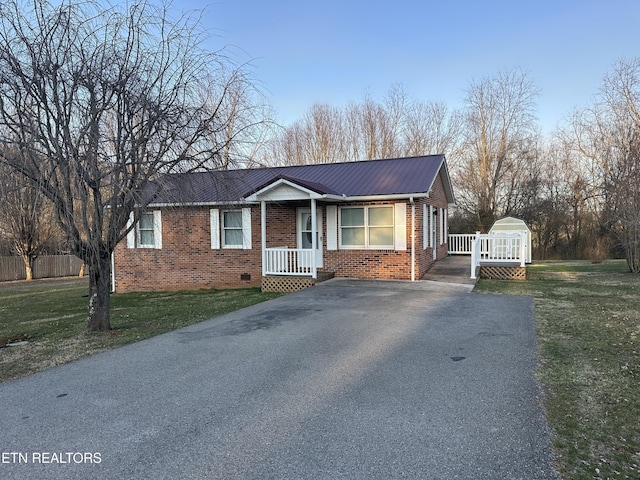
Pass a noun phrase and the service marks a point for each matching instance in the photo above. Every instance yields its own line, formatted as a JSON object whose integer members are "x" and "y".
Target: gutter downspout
{"x": 113, "y": 272}
{"x": 263, "y": 235}
{"x": 413, "y": 239}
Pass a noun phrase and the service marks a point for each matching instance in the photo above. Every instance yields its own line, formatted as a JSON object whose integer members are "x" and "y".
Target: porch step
{"x": 324, "y": 275}
{"x": 290, "y": 283}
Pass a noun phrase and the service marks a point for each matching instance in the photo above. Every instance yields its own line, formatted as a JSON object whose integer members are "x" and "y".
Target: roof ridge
{"x": 344, "y": 163}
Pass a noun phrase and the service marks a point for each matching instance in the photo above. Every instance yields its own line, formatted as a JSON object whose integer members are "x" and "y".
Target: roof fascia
{"x": 255, "y": 197}
{"x": 396, "y": 196}
{"x": 448, "y": 188}
{"x": 200, "y": 204}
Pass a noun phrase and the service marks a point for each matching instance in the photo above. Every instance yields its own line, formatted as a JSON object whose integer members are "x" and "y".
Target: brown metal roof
{"x": 313, "y": 186}
{"x": 397, "y": 176}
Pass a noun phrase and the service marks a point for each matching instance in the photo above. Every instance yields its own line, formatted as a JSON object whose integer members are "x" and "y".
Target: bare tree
{"x": 318, "y": 137}
{"x": 560, "y": 214}
{"x": 431, "y": 127}
{"x": 25, "y": 219}
{"x": 98, "y": 102}
{"x": 380, "y": 125}
{"x": 324, "y": 138}
{"x": 396, "y": 126}
{"x": 608, "y": 135}
{"x": 622, "y": 211}
{"x": 248, "y": 118}
{"x": 500, "y": 142}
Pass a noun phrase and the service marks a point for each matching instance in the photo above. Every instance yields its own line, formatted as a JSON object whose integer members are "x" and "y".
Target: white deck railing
{"x": 288, "y": 261}
{"x": 461, "y": 243}
{"x": 497, "y": 248}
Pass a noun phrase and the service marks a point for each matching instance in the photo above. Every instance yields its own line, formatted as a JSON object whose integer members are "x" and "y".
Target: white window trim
{"x": 425, "y": 227}
{"x": 441, "y": 219}
{"x": 445, "y": 217}
{"x": 400, "y": 226}
{"x": 139, "y": 232}
{"x": 432, "y": 227}
{"x": 216, "y": 217}
{"x": 133, "y": 237}
{"x": 235, "y": 246}
{"x": 246, "y": 229}
{"x": 332, "y": 227}
{"x": 366, "y": 227}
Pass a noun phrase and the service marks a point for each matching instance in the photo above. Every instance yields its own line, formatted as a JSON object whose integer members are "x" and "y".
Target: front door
{"x": 304, "y": 232}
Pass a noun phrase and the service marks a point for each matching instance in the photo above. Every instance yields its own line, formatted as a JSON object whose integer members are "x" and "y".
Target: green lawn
{"x": 588, "y": 326}
{"x": 51, "y": 315}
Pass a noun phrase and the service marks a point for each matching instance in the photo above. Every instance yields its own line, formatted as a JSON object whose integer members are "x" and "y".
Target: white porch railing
{"x": 288, "y": 261}
{"x": 497, "y": 248}
{"x": 461, "y": 243}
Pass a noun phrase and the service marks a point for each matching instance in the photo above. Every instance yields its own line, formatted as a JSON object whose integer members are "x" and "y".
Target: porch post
{"x": 263, "y": 235}
{"x": 314, "y": 241}
{"x": 476, "y": 250}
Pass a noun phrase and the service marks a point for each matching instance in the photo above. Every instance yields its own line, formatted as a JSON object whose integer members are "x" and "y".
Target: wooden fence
{"x": 47, "y": 266}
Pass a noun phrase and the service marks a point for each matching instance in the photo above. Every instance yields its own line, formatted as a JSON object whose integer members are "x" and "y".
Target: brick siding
{"x": 186, "y": 260}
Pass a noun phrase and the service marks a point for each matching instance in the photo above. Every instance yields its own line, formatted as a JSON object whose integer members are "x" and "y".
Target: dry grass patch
{"x": 588, "y": 323}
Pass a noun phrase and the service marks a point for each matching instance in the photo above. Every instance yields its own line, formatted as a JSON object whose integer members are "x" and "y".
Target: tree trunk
{"x": 632, "y": 250}
{"x": 633, "y": 261}
{"x": 28, "y": 266}
{"x": 99, "y": 291}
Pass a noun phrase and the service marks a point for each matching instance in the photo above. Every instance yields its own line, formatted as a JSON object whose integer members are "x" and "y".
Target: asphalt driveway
{"x": 349, "y": 379}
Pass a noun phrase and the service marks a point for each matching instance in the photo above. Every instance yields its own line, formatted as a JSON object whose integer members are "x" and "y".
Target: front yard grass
{"x": 588, "y": 327}
{"x": 51, "y": 316}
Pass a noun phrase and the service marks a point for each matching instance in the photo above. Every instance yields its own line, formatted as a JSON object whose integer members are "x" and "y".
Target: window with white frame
{"x": 367, "y": 227}
{"x": 232, "y": 229}
{"x": 147, "y": 232}
{"x": 146, "y": 237}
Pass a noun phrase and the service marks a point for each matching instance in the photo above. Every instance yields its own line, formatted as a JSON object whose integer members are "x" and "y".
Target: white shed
{"x": 514, "y": 225}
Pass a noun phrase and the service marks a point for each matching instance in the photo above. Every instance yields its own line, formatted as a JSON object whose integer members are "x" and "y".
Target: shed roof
{"x": 510, "y": 223}
{"x": 397, "y": 176}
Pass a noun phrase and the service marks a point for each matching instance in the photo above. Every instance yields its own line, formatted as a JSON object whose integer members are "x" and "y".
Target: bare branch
{"x": 98, "y": 102}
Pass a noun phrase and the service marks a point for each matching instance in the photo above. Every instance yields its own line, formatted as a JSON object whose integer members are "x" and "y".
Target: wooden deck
{"x": 457, "y": 269}
{"x": 451, "y": 269}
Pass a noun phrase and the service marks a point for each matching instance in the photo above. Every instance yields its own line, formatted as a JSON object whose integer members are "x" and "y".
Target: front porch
{"x": 298, "y": 222}
{"x": 290, "y": 269}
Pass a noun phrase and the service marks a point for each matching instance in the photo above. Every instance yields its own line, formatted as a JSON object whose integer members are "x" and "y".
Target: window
{"x": 147, "y": 233}
{"x": 352, "y": 227}
{"x": 367, "y": 227}
{"x": 232, "y": 229}
{"x": 381, "y": 226}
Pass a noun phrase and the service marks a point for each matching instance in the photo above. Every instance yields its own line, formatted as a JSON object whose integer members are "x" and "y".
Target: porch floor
{"x": 457, "y": 269}
{"x": 451, "y": 269}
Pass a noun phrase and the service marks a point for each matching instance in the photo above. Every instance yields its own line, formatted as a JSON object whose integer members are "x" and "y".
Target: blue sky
{"x": 335, "y": 50}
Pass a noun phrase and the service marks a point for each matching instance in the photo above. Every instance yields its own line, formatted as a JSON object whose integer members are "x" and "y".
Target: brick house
{"x": 283, "y": 228}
